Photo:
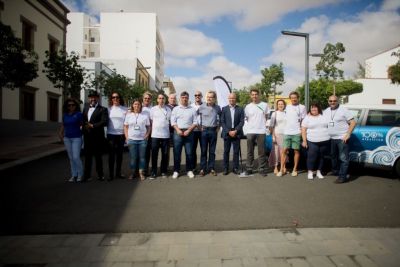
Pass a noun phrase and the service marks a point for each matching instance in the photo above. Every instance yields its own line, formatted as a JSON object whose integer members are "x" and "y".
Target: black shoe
{"x": 226, "y": 172}
{"x": 248, "y": 172}
{"x": 153, "y": 176}
{"x": 87, "y": 179}
{"x": 101, "y": 178}
{"x": 110, "y": 179}
{"x": 263, "y": 172}
{"x": 339, "y": 181}
{"x": 236, "y": 171}
{"x": 120, "y": 176}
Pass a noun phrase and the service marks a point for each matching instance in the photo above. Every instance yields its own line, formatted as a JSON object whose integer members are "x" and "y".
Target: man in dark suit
{"x": 232, "y": 121}
{"x": 95, "y": 118}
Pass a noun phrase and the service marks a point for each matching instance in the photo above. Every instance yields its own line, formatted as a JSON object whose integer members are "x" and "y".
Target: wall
{"x": 374, "y": 91}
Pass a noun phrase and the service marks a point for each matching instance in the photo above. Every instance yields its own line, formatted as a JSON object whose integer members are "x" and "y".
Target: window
{"x": 383, "y": 118}
{"x": 91, "y": 54}
{"x": 85, "y": 36}
{"x": 52, "y": 104}
{"x": 389, "y": 101}
{"x": 92, "y": 39}
{"x": 27, "y": 103}
{"x": 53, "y": 44}
{"x": 28, "y": 29}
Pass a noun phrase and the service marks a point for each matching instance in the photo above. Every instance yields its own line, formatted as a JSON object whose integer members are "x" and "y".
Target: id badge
{"x": 136, "y": 127}
{"x": 331, "y": 124}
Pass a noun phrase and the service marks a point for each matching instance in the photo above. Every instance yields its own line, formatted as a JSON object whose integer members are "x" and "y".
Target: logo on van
{"x": 372, "y": 136}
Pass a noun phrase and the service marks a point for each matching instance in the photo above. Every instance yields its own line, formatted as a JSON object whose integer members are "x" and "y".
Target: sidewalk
{"x": 317, "y": 247}
{"x": 25, "y": 141}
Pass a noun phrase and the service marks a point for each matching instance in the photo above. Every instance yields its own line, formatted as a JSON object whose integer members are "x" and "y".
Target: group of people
{"x": 148, "y": 129}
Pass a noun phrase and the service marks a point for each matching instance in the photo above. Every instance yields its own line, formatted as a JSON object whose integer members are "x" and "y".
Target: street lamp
{"x": 307, "y": 53}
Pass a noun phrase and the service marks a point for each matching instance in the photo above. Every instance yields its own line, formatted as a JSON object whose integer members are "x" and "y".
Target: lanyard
{"x": 136, "y": 116}
{"x": 165, "y": 113}
{"x": 333, "y": 116}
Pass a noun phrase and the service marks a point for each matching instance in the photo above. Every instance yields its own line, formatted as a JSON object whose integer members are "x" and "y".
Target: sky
{"x": 238, "y": 38}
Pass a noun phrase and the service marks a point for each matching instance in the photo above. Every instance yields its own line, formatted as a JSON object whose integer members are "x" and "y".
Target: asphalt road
{"x": 35, "y": 198}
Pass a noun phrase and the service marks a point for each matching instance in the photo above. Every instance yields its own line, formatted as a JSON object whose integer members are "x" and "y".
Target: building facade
{"x": 121, "y": 39}
{"x": 41, "y": 25}
{"x": 168, "y": 86}
{"x": 377, "y": 87}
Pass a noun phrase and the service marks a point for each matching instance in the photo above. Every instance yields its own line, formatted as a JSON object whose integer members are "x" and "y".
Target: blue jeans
{"x": 315, "y": 154}
{"x": 179, "y": 142}
{"x": 137, "y": 151}
{"x": 156, "y": 144}
{"x": 73, "y": 147}
{"x": 196, "y": 140}
{"x": 340, "y": 158}
{"x": 208, "y": 144}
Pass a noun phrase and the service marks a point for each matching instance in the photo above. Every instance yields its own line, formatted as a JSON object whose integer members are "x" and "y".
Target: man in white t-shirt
{"x": 160, "y": 116}
{"x": 256, "y": 114}
{"x": 146, "y": 107}
{"x": 295, "y": 113}
{"x": 341, "y": 124}
{"x": 198, "y": 101}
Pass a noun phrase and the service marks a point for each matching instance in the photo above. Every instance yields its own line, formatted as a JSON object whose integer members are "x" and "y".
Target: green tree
{"x": 272, "y": 77}
{"x": 17, "y": 66}
{"x": 360, "y": 72}
{"x": 394, "y": 70}
{"x": 118, "y": 83}
{"x": 64, "y": 71}
{"x": 321, "y": 89}
{"x": 243, "y": 95}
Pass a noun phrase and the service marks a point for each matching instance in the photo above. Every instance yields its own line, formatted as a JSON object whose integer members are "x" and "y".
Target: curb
{"x": 30, "y": 158}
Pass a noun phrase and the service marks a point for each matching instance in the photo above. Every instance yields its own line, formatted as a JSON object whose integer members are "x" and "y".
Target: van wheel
{"x": 397, "y": 168}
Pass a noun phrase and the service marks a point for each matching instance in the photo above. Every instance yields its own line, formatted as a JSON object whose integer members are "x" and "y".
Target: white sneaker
{"x": 319, "y": 175}
{"x": 190, "y": 174}
{"x": 72, "y": 179}
{"x": 175, "y": 175}
{"x": 310, "y": 175}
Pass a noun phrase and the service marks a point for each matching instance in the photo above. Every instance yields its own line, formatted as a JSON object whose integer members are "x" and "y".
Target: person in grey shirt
{"x": 209, "y": 122}
{"x": 198, "y": 101}
{"x": 183, "y": 119}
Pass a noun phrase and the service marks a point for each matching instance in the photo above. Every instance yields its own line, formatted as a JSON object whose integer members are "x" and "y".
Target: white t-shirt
{"x": 279, "y": 118}
{"x": 116, "y": 120}
{"x": 196, "y": 107}
{"x": 338, "y": 121}
{"x": 317, "y": 128}
{"x": 146, "y": 110}
{"x": 136, "y": 125}
{"x": 255, "y": 114}
{"x": 294, "y": 116}
{"x": 160, "y": 117}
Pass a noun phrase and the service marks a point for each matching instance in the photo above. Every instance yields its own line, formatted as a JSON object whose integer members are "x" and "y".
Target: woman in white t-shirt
{"x": 314, "y": 130}
{"x": 137, "y": 131}
{"x": 115, "y": 134}
{"x": 277, "y": 126}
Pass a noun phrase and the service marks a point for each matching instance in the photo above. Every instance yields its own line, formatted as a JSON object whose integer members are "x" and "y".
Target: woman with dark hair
{"x": 115, "y": 134}
{"x": 314, "y": 130}
{"x": 137, "y": 131}
{"x": 71, "y": 134}
{"x": 277, "y": 126}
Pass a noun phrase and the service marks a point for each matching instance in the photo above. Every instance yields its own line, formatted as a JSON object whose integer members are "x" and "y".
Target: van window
{"x": 383, "y": 118}
{"x": 356, "y": 113}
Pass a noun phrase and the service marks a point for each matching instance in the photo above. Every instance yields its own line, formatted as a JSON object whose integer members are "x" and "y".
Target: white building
{"x": 41, "y": 25}
{"x": 377, "y": 87}
{"x": 120, "y": 37}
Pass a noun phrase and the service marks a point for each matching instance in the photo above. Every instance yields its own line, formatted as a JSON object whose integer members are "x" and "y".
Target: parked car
{"x": 375, "y": 141}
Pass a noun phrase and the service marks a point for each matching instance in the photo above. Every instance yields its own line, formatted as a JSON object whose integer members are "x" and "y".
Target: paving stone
{"x": 178, "y": 252}
{"x": 343, "y": 260}
{"x": 97, "y": 254}
{"x": 162, "y": 238}
{"x": 169, "y": 263}
{"x": 222, "y": 237}
{"x": 58, "y": 254}
{"x": 373, "y": 247}
{"x": 79, "y": 264}
{"x": 143, "y": 264}
{"x": 276, "y": 262}
{"x": 288, "y": 249}
{"x": 183, "y": 238}
{"x": 310, "y": 234}
{"x": 122, "y": 264}
{"x": 135, "y": 239}
{"x": 210, "y": 263}
{"x": 158, "y": 253}
{"x": 343, "y": 247}
{"x": 253, "y": 262}
{"x": 240, "y": 251}
{"x": 73, "y": 240}
{"x": 391, "y": 260}
{"x": 343, "y": 233}
{"x": 320, "y": 261}
{"x": 274, "y": 235}
{"x": 197, "y": 252}
{"x": 298, "y": 262}
{"x": 187, "y": 263}
{"x": 364, "y": 261}
{"x": 110, "y": 240}
{"x": 202, "y": 238}
{"x": 220, "y": 251}
{"x": 137, "y": 254}
{"x": 294, "y": 237}
{"x": 231, "y": 263}
{"x": 92, "y": 240}
{"x": 259, "y": 250}
{"x": 100, "y": 264}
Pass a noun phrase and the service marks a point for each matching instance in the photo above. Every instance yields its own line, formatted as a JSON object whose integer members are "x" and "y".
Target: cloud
{"x": 183, "y": 42}
{"x": 363, "y": 35}
{"x": 246, "y": 15}
{"x": 219, "y": 65}
{"x": 179, "y": 62}
{"x": 390, "y": 5}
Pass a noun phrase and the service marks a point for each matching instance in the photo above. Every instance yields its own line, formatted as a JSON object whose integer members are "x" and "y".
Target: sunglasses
{"x": 71, "y": 105}
{"x": 115, "y": 97}
{"x": 197, "y": 95}
{"x": 332, "y": 101}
